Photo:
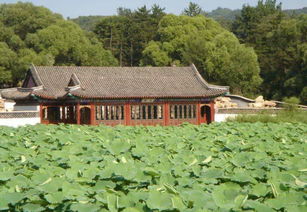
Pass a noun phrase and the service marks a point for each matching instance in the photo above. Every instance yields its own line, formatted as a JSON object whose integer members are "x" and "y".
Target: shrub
{"x": 290, "y": 115}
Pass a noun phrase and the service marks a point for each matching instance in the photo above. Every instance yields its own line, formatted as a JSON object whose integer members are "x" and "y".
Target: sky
{"x": 75, "y": 8}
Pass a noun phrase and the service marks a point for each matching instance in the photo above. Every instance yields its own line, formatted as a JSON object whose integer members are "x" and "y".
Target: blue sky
{"x": 75, "y": 8}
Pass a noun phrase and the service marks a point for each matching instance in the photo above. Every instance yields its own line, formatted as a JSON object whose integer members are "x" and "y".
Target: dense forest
{"x": 256, "y": 50}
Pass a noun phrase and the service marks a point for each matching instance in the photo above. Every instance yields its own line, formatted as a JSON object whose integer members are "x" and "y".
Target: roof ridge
{"x": 201, "y": 79}
{"x": 138, "y": 67}
{"x": 36, "y": 76}
{"x": 239, "y": 96}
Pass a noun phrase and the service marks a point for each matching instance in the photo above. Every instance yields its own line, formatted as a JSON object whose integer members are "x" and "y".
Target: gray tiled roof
{"x": 117, "y": 82}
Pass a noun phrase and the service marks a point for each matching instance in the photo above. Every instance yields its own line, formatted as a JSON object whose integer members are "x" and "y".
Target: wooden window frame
{"x": 182, "y": 111}
{"x": 108, "y": 112}
{"x": 146, "y": 112}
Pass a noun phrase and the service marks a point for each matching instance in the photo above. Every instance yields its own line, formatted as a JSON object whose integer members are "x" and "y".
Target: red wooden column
{"x": 127, "y": 114}
{"x": 212, "y": 111}
{"x": 198, "y": 113}
{"x": 93, "y": 113}
{"x": 166, "y": 114}
{"x": 41, "y": 113}
{"x": 78, "y": 113}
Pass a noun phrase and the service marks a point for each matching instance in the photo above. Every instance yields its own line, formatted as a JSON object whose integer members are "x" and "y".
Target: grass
{"x": 287, "y": 115}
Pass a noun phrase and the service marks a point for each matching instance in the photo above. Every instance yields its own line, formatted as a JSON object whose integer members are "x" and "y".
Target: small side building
{"x": 118, "y": 95}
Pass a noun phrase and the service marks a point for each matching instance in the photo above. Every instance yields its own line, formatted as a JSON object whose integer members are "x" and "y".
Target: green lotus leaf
{"x": 213, "y": 173}
{"x": 84, "y": 207}
{"x": 177, "y": 203}
{"x": 195, "y": 199}
{"x": 225, "y": 195}
{"x": 159, "y": 201}
{"x": 287, "y": 199}
{"x": 55, "y": 198}
{"x": 11, "y": 198}
{"x": 112, "y": 201}
{"x": 53, "y": 186}
{"x": 260, "y": 190}
{"x": 131, "y": 210}
{"x": 116, "y": 147}
{"x": 297, "y": 208}
{"x": 257, "y": 206}
{"x": 171, "y": 189}
{"x": 20, "y": 181}
{"x": 41, "y": 178}
{"x": 253, "y": 167}
{"x": 151, "y": 171}
{"x": 243, "y": 177}
{"x": 29, "y": 207}
{"x": 6, "y": 174}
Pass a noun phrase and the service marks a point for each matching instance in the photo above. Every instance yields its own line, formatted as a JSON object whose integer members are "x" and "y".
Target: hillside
{"x": 223, "y": 15}
{"x": 296, "y": 11}
{"x": 87, "y": 22}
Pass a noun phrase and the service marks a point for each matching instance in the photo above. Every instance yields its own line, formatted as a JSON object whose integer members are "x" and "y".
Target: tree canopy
{"x": 31, "y": 34}
{"x": 216, "y": 52}
{"x": 280, "y": 43}
{"x": 127, "y": 34}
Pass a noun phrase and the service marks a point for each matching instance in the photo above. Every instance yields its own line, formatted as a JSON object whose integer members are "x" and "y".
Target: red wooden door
{"x": 203, "y": 117}
{"x": 205, "y": 114}
{"x": 85, "y": 115}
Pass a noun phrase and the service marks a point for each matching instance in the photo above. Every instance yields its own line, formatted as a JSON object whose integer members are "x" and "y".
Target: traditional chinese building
{"x": 118, "y": 95}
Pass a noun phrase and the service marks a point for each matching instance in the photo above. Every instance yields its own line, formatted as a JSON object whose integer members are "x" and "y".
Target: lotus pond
{"x": 220, "y": 167}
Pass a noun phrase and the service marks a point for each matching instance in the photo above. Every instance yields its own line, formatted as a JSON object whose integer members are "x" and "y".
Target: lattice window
{"x": 146, "y": 112}
{"x": 183, "y": 111}
{"x": 110, "y": 112}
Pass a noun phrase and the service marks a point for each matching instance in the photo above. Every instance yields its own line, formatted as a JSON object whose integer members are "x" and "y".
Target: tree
{"x": 121, "y": 11}
{"x": 112, "y": 32}
{"x": 30, "y": 34}
{"x": 216, "y": 52}
{"x": 7, "y": 59}
{"x": 127, "y": 34}
{"x": 192, "y": 10}
{"x": 153, "y": 55}
{"x": 67, "y": 43}
{"x": 280, "y": 43}
{"x": 157, "y": 12}
{"x": 244, "y": 25}
{"x": 303, "y": 95}
{"x": 26, "y": 18}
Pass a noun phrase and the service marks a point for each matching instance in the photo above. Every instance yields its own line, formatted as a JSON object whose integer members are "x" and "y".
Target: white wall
{"x": 26, "y": 108}
{"x": 18, "y": 122}
{"x": 9, "y": 106}
{"x": 223, "y": 117}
